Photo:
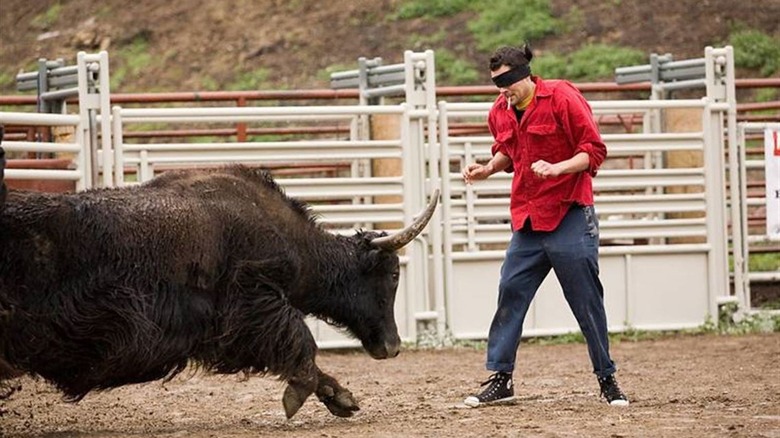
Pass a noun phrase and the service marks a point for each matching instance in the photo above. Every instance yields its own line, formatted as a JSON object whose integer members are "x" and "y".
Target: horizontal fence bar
{"x": 343, "y": 110}
{"x": 277, "y": 145}
{"x": 31, "y": 146}
{"x": 60, "y": 94}
{"x": 42, "y": 174}
{"x": 255, "y": 156}
{"x": 35, "y": 119}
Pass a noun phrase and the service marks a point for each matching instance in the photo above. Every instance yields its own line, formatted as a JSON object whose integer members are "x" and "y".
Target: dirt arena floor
{"x": 681, "y": 386}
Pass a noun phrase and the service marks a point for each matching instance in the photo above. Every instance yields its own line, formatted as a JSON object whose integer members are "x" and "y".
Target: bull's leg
{"x": 262, "y": 331}
{"x": 256, "y": 305}
{"x": 299, "y": 388}
{"x": 336, "y": 398}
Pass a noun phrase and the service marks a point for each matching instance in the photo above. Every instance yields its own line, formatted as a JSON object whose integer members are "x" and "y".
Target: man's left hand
{"x": 543, "y": 169}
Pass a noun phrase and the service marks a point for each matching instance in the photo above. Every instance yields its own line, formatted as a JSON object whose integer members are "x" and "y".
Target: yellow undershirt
{"x": 527, "y": 101}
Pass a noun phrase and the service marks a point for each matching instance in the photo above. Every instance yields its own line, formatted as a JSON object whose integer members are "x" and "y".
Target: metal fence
{"x": 663, "y": 254}
{"x": 663, "y": 229}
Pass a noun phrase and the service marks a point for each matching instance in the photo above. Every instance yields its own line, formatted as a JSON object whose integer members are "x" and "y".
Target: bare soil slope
{"x": 201, "y": 44}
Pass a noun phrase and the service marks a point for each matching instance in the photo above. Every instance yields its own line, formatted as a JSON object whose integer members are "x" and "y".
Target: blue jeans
{"x": 572, "y": 251}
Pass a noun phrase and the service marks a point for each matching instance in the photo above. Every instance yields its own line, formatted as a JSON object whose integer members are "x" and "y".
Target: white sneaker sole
{"x": 619, "y": 403}
{"x": 474, "y": 402}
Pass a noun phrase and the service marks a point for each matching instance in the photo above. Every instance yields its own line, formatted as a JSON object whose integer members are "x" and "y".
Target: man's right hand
{"x": 476, "y": 172}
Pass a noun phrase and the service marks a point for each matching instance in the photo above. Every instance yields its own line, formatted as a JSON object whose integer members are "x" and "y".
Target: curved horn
{"x": 402, "y": 238}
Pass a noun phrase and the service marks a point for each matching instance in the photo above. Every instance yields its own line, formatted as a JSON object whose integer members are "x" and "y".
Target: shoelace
{"x": 493, "y": 377}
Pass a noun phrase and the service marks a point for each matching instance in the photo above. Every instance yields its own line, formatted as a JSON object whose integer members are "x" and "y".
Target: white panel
{"x": 475, "y": 292}
{"x": 668, "y": 290}
{"x": 329, "y": 336}
{"x": 404, "y": 314}
{"x": 613, "y": 277}
{"x": 473, "y": 295}
{"x": 549, "y": 310}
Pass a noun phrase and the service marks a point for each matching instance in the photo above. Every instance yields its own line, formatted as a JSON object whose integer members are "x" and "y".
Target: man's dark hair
{"x": 511, "y": 57}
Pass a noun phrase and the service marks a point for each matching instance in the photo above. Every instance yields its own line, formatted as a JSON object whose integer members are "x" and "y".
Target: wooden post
{"x": 684, "y": 120}
{"x": 386, "y": 127}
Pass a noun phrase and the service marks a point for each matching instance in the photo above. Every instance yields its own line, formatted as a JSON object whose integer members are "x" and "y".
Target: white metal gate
{"x": 343, "y": 203}
{"x": 742, "y": 200}
{"x": 663, "y": 254}
{"x": 663, "y": 230}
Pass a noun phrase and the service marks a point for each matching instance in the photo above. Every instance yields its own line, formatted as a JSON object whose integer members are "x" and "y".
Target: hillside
{"x": 157, "y": 45}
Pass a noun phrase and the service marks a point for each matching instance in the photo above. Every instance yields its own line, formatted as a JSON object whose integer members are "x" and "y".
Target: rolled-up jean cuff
{"x": 606, "y": 373}
{"x": 500, "y": 367}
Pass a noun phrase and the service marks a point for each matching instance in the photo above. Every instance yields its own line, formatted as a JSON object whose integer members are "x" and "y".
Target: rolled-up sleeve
{"x": 582, "y": 129}
{"x": 503, "y": 136}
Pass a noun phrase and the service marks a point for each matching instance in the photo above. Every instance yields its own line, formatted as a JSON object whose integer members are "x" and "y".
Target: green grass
{"x": 7, "y": 81}
{"x": 764, "y": 262}
{"x": 431, "y": 8}
{"x": 452, "y": 70}
{"x": 766, "y": 95}
{"x": 48, "y": 18}
{"x": 502, "y": 23}
{"x": 497, "y": 23}
{"x": 324, "y": 74}
{"x": 251, "y": 80}
{"x": 131, "y": 60}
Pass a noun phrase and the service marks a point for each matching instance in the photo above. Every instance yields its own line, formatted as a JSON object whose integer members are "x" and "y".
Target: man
{"x": 544, "y": 132}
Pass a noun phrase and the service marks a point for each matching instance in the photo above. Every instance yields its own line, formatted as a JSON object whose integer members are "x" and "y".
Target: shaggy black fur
{"x": 2, "y": 168}
{"x": 116, "y": 286}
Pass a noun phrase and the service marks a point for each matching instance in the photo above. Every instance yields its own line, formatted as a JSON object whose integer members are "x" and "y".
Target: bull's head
{"x": 372, "y": 294}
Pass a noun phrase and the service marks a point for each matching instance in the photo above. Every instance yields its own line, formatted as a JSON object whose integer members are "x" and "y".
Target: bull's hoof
{"x": 293, "y": 400}
{"x": 339, "y": 401}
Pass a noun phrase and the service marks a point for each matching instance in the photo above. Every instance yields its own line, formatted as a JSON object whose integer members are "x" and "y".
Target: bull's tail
{"x": 2, "y": 170}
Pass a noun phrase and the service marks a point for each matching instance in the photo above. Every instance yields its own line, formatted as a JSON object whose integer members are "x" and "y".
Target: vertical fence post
{"x": 241, "y": 126}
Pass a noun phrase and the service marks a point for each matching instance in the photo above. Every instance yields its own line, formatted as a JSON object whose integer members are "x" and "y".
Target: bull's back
{"x": 182, "y": 228}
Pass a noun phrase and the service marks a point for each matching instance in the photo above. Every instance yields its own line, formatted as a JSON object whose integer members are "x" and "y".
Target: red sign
{"x": 777, "y": 145}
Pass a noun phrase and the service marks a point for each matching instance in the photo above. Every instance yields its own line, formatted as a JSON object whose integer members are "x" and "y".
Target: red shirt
{"x": 557, "y": 125}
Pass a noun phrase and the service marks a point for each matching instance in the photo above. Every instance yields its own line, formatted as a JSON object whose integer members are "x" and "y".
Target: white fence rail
{"x": 357, "y": 199}
{"x": 663, "y": 255}
{"x": 659, "y": 226}
{"x": 661, "y": 229}
{"x": 77, "y": 173}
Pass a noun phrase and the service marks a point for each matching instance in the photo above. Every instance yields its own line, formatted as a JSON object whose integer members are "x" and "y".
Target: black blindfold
{"x": 509, "y": 77}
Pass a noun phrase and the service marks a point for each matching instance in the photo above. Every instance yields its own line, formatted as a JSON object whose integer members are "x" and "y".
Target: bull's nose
{"x": 393, "y": 349}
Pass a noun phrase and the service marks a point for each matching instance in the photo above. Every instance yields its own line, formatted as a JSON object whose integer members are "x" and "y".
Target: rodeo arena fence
{"x": 672, "y": 197}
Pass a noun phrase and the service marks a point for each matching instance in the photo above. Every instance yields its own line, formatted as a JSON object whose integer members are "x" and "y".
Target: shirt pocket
{"x": 546, "y": 143}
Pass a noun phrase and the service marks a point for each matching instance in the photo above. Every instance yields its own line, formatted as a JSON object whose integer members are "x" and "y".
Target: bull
{"x": 219, "y": 267}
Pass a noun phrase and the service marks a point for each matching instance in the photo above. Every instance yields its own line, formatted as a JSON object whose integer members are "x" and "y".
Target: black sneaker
{"x": 611, "y": 391}
{"x": 500, "y": 389}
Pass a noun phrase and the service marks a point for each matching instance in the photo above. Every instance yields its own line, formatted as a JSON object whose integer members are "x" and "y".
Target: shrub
{"x": 511, "y": 23}
{"x": 756, "y": 50}
{"x": 451, "y": 70}
{"x": 591, "y": 62}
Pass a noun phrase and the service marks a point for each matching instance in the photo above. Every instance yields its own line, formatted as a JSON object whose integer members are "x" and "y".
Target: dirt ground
{"x": 681, "y": 386}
